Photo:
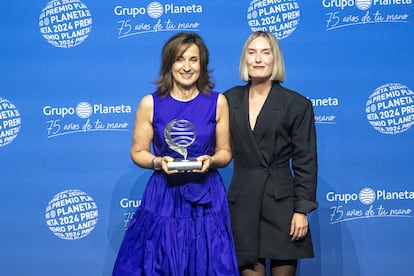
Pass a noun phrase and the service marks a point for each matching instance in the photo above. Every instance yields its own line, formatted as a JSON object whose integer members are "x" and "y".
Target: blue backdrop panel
{"x": 72, "y": 73}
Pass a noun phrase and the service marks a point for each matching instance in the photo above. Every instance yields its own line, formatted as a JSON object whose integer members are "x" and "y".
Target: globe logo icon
{"x": 10, "y": 122}
{"x": 389, "y": 108}
{"x": 183, "y": 133}
{"x": 65, "y": 24}
{"x": 71, "y": 215}
{"x": 367, "y": 196}
{"x": 253, "y": 15}
{"x": 281, "y": 18}
{"x": 84, "y": 110}
{"x": 155, "y": 9}
{"x": 363, "y": 4}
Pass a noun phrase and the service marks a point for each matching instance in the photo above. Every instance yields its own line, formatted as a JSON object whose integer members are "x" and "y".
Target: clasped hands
{"x": 205, "y": 160}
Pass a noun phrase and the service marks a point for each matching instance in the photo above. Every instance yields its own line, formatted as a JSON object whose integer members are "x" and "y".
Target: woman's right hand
{"x": 164, "y": 165}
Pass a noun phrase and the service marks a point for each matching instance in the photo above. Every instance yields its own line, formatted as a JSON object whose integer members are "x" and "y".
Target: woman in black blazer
{"x": 273, "y": 187}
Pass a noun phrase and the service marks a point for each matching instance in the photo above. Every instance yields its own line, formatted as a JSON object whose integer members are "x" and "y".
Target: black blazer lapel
{"x": 270, "y": 110}
{"x": 241, "y": 112}
{"x": 241, "y": 117}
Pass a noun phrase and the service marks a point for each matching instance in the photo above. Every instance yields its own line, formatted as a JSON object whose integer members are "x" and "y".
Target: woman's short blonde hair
{"x": 278, "y": 72}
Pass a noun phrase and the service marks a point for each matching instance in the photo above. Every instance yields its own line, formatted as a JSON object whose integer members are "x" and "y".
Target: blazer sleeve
{"x": 304, "y": 160}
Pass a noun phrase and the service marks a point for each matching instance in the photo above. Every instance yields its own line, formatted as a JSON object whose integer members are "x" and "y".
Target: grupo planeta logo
{"x": 71, "y": 215}
{"x": 379, "y": 203}
{"x": 10, "y": 122}
{"x": 390, "y": 108}
{"x": 280, "y": 17}
{"x": 129, "y": 206}
{"x": 325, "y": 109}
{"x": 349, "y": 13}
{"x": 137, "y": 18}
{"x": 85, "y": 117}
{"x": 65, "y": 23}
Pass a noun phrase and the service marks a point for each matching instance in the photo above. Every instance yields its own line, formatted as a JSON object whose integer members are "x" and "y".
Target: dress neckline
{"x": 180, "y": 101}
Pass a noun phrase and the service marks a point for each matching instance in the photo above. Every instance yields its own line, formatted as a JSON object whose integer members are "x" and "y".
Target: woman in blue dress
{"x": 182, "y": 226}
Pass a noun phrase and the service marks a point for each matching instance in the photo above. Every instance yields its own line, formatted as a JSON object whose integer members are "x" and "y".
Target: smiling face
{"x": 186, "y": 67}
{"x": 259, "y": 59}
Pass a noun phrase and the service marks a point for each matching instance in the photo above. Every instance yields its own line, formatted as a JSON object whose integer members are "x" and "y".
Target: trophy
{"x": 179, "y": 135}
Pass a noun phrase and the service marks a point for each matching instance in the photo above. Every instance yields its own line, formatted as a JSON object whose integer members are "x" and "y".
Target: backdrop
{"x": 72, "y": 73}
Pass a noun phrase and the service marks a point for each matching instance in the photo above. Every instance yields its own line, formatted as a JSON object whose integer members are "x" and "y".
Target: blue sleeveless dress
{"x": 182, "y": 226}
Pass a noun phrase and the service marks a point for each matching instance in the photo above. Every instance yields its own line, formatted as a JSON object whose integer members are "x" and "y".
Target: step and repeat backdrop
{"x": 72, "y": 73}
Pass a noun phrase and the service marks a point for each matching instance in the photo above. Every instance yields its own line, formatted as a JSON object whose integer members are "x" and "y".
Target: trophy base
{"x": 184, "y": 165}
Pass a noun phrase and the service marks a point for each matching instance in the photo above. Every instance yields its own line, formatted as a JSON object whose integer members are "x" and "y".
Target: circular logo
{"x": 363, "y": 4}
{"x": 367, "y": 196}
{"x": 10, "y": 122}
{"x": 84, "y": 110}
{"x": 155, "y": 9}
{"x": 71, "y": 215}
{"x": 279, "y": 18}
{"x": 390, "y": 108}
{"x": 64, "y": 23}
{"x": 182, "y": 132}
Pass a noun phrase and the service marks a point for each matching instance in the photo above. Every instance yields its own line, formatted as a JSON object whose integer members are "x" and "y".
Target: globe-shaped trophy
{"x": 179, "y": 135}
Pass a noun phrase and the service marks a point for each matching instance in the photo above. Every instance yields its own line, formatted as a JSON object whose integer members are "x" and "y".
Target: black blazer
{"x": 281, "y": 151}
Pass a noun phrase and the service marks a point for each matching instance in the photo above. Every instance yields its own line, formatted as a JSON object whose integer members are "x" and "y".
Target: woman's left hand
{"x": 206, "y": 162}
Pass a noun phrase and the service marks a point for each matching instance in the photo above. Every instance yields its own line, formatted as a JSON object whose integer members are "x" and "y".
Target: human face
{"x": 186, "y": 68}
{"x": 259, "y": 59}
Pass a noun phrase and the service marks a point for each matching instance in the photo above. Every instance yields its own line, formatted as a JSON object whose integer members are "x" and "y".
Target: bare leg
{"x": 283, "y": 268}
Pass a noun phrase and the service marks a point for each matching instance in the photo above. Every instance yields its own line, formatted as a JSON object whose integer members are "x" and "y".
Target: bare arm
{"x": 143, "y": 133}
